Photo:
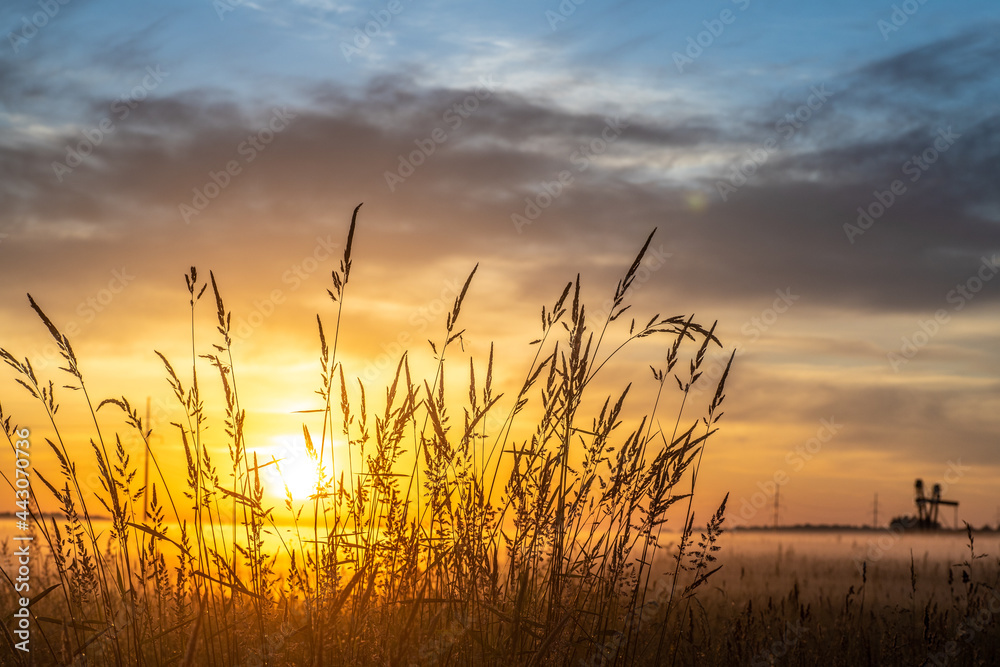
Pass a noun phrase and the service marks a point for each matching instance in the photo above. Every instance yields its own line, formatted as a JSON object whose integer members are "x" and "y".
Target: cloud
{"x": 273, "y": 224}
{"x": 942, "y": 68}
{"x": 785, "y": 227}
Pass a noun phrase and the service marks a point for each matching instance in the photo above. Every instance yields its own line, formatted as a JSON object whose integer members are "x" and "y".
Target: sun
{"x": 294, "y": 468}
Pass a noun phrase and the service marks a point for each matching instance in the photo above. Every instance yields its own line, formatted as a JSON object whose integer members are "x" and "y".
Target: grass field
{"x": 473, "y": 525}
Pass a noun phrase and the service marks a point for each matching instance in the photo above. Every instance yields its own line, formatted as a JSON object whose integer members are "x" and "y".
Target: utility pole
{"x": 777, "y": 494}
{"x": 875, "y": 512}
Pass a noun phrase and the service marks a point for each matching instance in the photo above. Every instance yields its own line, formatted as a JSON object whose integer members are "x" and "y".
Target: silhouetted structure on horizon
{"x": 927, "y": 510}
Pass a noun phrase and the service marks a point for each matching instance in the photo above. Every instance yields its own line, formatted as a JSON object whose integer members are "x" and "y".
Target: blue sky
{"x": 767, "y": 49}
{"x": 834, "y": 105}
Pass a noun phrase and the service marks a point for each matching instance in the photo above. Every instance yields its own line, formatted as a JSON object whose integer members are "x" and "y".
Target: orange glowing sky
{"x": 867, "y": 352}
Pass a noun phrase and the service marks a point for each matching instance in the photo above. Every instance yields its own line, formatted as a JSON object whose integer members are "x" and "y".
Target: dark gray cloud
{"x": 947, "y": 68}
{"x": 785, "y": 227}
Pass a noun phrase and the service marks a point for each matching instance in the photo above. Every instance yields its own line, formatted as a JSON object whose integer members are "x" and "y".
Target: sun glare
{"x": 295, "y": 468}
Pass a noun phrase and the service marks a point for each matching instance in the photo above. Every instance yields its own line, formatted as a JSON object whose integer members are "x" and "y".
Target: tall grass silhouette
{"x": 517, "y": 528}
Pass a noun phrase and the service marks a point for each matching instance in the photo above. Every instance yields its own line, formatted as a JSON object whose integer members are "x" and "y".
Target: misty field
{"x": 470, "y": 525}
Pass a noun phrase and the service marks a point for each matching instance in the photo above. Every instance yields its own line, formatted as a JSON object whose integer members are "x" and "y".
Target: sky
{"x": 821, "y": 178}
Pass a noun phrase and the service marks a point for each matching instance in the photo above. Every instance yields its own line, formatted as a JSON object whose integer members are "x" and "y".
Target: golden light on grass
{"x": 437, "y": 518}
